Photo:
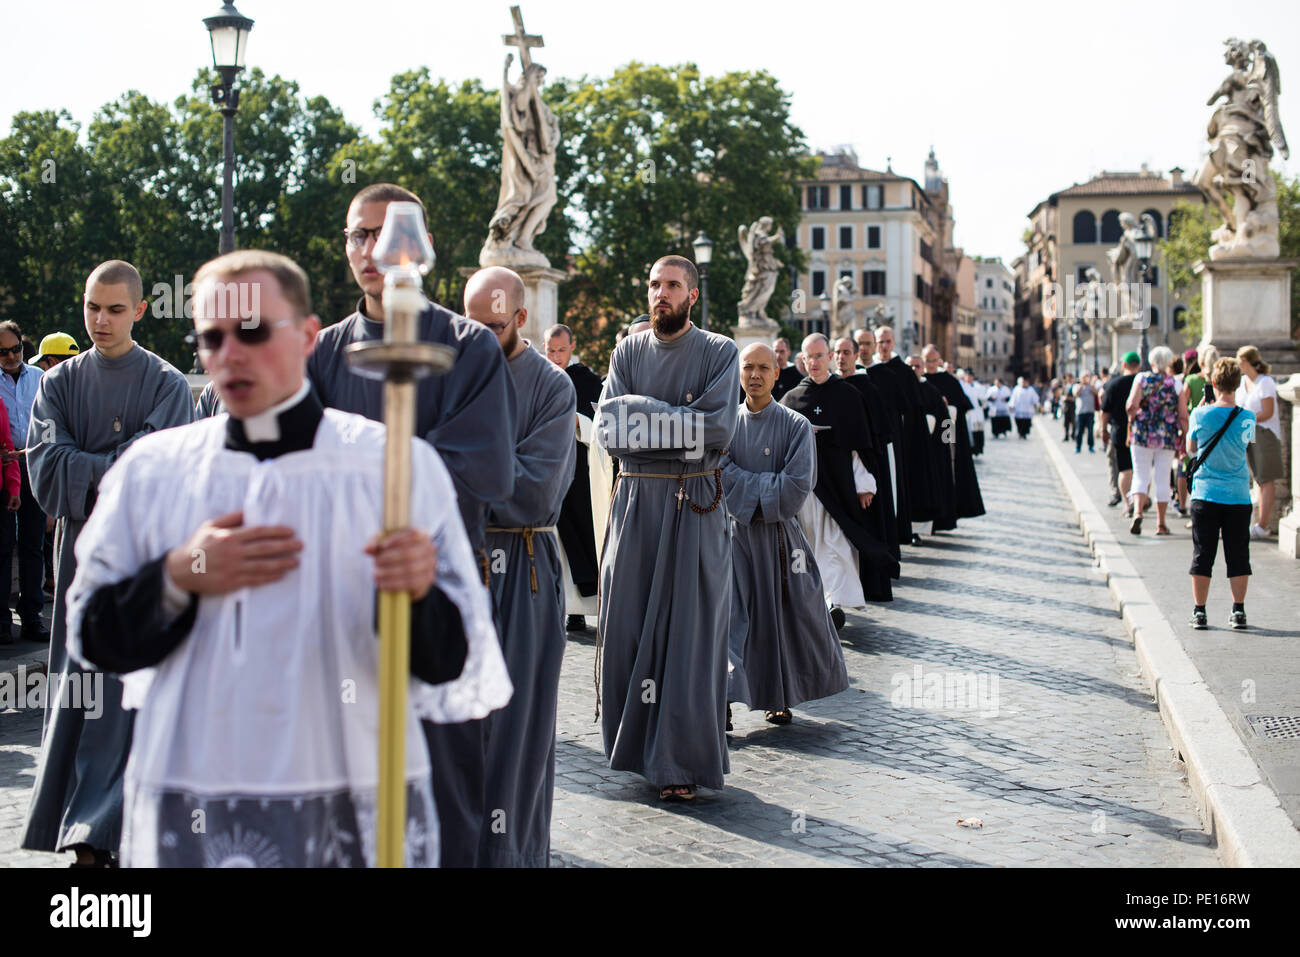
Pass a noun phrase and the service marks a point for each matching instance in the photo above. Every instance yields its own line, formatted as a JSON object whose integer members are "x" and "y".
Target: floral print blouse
{"x": 1156, "y": 425}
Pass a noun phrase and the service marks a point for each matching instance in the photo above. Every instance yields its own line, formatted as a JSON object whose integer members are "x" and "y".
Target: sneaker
{"x": 1258, "y": 531}
{"x": 1200, "y": 621}
{"x": 575, "y": 623}
{"x": 1237, "y": 620}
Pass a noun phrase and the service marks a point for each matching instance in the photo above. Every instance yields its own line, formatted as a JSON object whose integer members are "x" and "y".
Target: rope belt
{"x": 681, "y": 494}
{"x": 528, "y": 531}
{"x": 681, "y": 486}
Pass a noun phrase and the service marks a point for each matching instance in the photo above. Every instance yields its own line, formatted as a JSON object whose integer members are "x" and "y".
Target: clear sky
{"x": 1018, "y": 98}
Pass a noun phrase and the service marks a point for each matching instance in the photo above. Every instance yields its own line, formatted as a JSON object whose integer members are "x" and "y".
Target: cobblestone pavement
{"x": 1062, "y": 755}
{"x": 1060, "y": 752}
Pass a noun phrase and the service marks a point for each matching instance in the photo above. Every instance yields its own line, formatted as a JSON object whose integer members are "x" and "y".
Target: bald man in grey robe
{"x": 783, "y": 645}
{"x": 527, "y": 583}
{"x": 667, "y": 414}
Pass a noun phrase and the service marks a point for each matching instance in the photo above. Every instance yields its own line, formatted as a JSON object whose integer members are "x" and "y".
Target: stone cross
{"x": 520, "y": 39}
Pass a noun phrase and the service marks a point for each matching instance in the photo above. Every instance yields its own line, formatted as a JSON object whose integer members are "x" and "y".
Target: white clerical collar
{"x": 265, "y": 426}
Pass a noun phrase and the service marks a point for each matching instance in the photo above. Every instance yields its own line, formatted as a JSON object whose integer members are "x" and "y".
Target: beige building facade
{"x": 995, "y": 299}
{"x": 1073, "y": 230}
{"x": 882, "y": 232}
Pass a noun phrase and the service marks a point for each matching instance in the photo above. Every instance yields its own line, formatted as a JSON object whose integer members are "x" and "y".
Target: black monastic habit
{"x": 838, "y": 405}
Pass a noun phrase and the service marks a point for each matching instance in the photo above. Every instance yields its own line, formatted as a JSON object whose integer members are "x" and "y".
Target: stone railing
{"x": 1289, "y": 527}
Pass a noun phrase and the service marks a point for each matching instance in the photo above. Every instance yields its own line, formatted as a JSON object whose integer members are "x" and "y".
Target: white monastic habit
{"x": 256, "y": 737}
{"x": 833, "y": 552}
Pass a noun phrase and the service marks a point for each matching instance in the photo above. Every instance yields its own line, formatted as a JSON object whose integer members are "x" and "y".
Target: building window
{"x": 927, "y": 254}
{"x": 819, "y": 197}
{"x": 988, "y": 283}
{"x": 846, "y": 197}
{"x": 873, "y": 282}
{"x": 873, "y": 197}
{"x": 1085, "y": 227}
{"x": 819, "y": 237}
{"x": 818, "y": 281}
{"x": 1180, "y": 317}
{"x": 873, "y": 237}
{"x": 1155, "y": 214}
{"x": 1153, "y": 274}
{"x": 1111, "y": 230}
{"x": 846, "y": 237}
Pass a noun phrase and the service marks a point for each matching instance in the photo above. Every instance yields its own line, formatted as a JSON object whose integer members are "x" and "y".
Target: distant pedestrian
{"x": 1258, "y": 393}
{"x": 1157, "y": 419}
{"x": 1086, "y": 401}
{"x": 999, "y": 398}
{"x": 1114, "y": 430}
{"x": 1067, "y": 402}
{"x": 1221, "y": 492}
{"x": 1024, "y": 403}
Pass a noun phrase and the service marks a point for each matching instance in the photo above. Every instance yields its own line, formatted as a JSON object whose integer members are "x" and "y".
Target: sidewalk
{"x": 1213, "y": 686}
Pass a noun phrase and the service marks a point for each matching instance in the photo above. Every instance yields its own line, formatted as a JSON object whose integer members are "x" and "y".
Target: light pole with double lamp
{"x": 228, "y": 30}
{"x": 703, "y": 254}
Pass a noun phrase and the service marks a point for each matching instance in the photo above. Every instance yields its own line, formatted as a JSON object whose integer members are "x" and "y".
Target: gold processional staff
{"x": 404, "y": 254}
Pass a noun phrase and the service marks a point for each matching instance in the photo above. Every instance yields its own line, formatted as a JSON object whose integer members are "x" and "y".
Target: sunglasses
{"x": 210, "y": 340}
{"x": 12, "y": 350}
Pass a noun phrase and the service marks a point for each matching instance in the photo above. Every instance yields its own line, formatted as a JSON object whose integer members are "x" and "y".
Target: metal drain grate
{"x": 1276, "y": 726}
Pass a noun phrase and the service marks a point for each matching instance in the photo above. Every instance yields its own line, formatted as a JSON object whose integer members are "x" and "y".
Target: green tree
{"x": 1189, "y": 241}
{"x": 58, "y": 217}
{"x": 657, "y": 154}
{"x": 442, "y": 142}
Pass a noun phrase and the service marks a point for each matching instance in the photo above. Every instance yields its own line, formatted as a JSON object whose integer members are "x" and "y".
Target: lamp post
{"x": 1145, "y": 244}
{"x": 228, "y": 30}
{"x": 825, "y": 301}
{"x": 703, "y": 255}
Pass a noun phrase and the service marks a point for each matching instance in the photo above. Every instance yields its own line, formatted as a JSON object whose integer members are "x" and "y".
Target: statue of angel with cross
{"x": 530, "y": 135}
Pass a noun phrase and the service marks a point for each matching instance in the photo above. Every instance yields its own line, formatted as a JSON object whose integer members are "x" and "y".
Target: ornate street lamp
{"x": 703, "y": 255}
{"x": 228, "y": 30}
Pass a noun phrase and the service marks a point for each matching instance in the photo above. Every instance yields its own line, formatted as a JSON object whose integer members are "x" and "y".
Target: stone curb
{"x": 1241, "y": 809}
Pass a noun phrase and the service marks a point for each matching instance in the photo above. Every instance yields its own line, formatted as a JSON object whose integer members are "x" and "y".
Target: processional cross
{"x": 524, "y": 41}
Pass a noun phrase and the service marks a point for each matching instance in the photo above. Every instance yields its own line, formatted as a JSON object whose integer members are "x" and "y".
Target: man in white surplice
{"x": 229, "y": 572}
{"x": 835, "y": 555}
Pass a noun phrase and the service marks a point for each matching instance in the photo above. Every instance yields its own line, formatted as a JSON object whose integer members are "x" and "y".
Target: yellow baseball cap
{"x": 57, "y": 344}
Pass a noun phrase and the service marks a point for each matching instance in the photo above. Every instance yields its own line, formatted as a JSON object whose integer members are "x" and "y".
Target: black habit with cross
{"x": 839, "y": 419}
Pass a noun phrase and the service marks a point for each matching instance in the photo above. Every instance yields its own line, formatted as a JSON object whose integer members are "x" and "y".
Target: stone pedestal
{"x": 751, "y": 329}
{"x": 1288, "y": 530}
{"x": 541, "y": 299}
{"x": 1246, "y": 302}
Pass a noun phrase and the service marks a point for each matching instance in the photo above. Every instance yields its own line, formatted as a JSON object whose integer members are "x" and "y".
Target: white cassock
{"x": 837, "y": 559}
{"x": 256, "y": 738}
{"x": 600, "y": 476}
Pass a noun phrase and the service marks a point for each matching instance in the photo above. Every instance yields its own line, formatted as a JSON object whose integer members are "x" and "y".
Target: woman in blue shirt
{"x": 1221, "y": 494}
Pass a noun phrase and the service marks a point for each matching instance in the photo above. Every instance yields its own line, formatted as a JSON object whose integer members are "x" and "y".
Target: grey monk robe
{"x": 468, "y": 416}
{"x": 527, "y": 589}
{"x": 88, "y": 410}
{"x": 784, "y": 649}
{"x": 668, "y": 408}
